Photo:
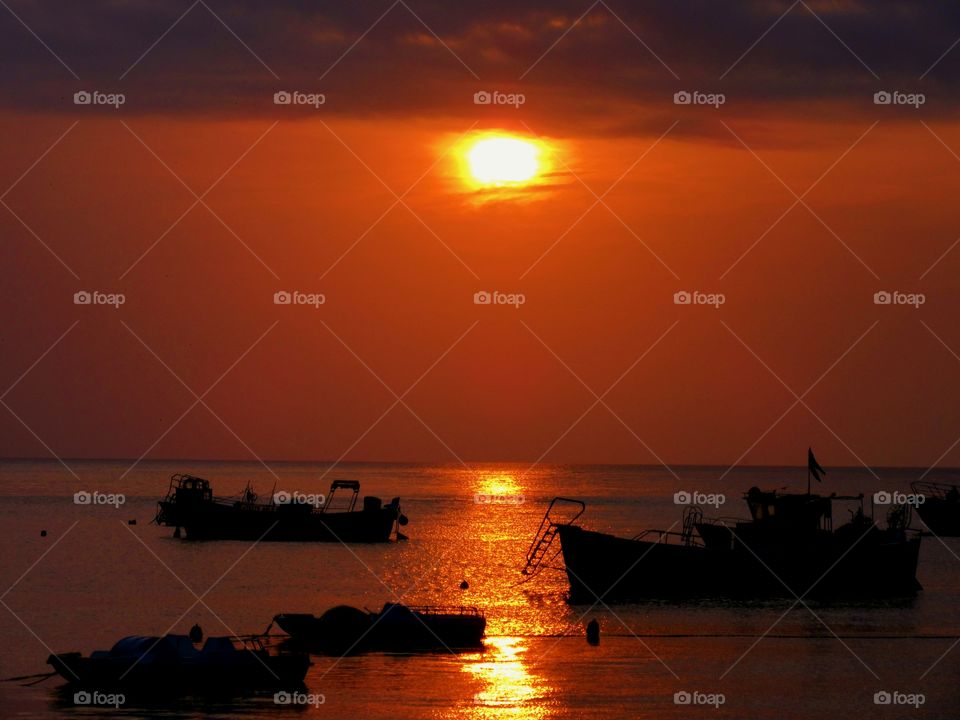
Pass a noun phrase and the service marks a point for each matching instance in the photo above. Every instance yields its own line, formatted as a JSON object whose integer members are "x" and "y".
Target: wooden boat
{"x": 940, "y": 509}
{"x": 346, "y": 630}
{"x": 787, "y": 548}
{"x": 173, "y": 664}
{"x": 190, "y": 505}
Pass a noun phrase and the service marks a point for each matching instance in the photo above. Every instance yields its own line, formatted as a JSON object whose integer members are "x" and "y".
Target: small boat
{"x": 940, "y": 509}
{"x": 787, "y": 548}
{"x": 345, "y": 630}
{"x": 173, "y": 663}
{"x": 191, "y": 505}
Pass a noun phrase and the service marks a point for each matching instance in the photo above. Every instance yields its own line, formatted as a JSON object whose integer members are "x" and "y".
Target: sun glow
{"x": 503, "y": 160}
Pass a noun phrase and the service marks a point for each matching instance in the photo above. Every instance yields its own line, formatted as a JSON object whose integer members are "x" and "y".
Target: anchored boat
{"x": 940, "y": 509}
{"x": 190, "y": 505}
{"x": 788, "y": 547}
{"x": 346, "y": 630}
{"x": 172, "y": 663}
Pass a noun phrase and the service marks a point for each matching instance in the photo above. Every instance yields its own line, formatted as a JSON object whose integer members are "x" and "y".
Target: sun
{"x": 503, "y": 160}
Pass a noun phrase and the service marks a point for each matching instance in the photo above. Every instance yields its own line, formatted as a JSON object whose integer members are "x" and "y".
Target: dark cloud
{"x": 616, "y": 71}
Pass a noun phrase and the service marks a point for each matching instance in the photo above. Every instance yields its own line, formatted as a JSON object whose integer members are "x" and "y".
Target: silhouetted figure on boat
{"x": 196, "y": 634}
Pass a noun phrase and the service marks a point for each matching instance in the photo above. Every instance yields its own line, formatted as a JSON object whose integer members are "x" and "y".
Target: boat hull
{"x": 291, "y": 523}
{"x": 248, "y": 670}
{"x": 602, "y": 566}
{"x": 941, "y": 516}
{"x": 389, "y": 631}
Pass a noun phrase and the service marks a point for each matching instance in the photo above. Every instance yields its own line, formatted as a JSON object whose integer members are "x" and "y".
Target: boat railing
{"x": 548, "y": 531}
{"x": 664, "y": 536}
{"x": 939, "y": 490}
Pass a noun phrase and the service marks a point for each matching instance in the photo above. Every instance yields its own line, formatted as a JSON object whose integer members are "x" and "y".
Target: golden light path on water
{"x": 509, "y": 689}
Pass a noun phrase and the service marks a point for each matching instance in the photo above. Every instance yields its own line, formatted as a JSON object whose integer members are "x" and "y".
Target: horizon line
{"x": 456, "y": 463}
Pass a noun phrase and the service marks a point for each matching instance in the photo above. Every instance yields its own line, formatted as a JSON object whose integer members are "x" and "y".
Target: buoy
{"x": 593, "y": 632}
{"x": 43, "y": 533}
{"x": 464, "y": 585}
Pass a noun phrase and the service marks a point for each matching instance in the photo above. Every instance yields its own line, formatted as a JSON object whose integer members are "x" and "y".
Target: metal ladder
{"x": 546, "y": 533}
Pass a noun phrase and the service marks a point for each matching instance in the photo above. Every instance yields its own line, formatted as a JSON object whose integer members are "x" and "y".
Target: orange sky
{"x": 492, "y": 383}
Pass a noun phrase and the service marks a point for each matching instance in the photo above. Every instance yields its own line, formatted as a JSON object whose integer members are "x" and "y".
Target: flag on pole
{"x": 813, "y": 466}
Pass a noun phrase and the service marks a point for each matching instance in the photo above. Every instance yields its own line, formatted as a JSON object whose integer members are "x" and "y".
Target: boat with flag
{"x": 787, "y": 547}
{"x": 191, "y": 506}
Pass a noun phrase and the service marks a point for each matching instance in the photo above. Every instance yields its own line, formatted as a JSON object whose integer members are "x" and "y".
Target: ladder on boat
{"x": 548, "y": 531}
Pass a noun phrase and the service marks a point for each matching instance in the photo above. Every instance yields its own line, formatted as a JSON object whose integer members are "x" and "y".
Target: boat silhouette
{"x": 344, "y": 630}
{"x": 940, "y": 509}
{"x": 787, "y": 548}
{"x": 174, "y": 664}
{"x": 190, "y": 505}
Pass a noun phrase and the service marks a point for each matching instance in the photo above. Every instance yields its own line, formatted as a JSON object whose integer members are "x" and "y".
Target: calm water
{"x": 94, "y": 578}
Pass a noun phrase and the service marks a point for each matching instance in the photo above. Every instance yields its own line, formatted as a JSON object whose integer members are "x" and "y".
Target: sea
{"x": 84, "y": 565}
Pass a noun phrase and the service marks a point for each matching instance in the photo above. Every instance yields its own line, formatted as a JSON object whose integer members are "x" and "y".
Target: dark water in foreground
{"x": 94, "y": 578}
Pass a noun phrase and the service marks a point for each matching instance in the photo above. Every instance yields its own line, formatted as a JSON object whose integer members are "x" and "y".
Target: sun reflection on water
{"x": 509, "y": 688}
{"x": 498, "y": 484}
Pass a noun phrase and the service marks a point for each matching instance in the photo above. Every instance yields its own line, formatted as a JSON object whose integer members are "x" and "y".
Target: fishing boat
{"x": 191, "y": 506}
{"x": 173, "y": 663}
{"x": 940, "y": 509}
{"x": 788, "y": 547}
{"x": 344, "y": 630}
